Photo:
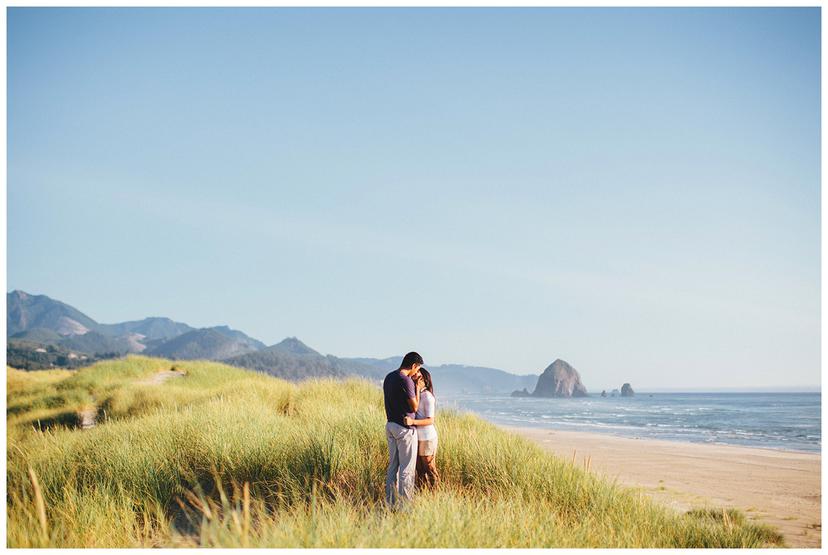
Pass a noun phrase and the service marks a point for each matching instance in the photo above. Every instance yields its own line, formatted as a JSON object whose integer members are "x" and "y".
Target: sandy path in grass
{"x": 781, "y": 488}
{"x": 89, "y": 415}
{"x": 160, "y": 377}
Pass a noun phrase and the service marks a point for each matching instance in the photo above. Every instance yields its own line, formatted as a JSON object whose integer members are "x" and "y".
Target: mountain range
{"x": 44, "y": 332}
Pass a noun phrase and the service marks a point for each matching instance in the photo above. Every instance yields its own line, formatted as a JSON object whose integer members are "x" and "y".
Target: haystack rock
{"x": 627, "y": 390}
{"x": 560, "y": 380}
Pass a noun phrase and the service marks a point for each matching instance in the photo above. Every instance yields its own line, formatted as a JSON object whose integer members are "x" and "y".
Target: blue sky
{"x": 634, "y": 191}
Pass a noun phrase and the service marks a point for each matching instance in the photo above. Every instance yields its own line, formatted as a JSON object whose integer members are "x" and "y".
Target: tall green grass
{"x": 226, "y": 457}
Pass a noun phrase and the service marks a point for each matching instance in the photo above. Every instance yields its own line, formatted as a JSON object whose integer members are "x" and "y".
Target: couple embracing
{"x": 410, "y": 431}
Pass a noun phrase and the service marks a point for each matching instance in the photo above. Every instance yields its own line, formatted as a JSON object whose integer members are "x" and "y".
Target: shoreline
{"x": 774, "y": 486}
{"x": 654, "y": 439}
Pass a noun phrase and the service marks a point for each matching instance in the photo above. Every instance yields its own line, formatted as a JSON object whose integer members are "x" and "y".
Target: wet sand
{"x": 781, "y": 488}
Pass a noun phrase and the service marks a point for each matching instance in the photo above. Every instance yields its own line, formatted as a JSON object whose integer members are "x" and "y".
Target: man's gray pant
{"x": 402, "y": 458}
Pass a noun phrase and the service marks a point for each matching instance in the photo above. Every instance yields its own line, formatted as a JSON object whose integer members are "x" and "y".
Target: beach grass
{"x": 225, "y": 457}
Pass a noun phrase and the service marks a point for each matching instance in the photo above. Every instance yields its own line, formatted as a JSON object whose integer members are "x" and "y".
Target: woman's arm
{"x": 423, "y": 421}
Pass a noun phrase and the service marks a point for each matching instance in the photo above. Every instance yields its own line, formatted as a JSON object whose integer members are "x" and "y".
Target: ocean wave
{"x": 701, "y": 418}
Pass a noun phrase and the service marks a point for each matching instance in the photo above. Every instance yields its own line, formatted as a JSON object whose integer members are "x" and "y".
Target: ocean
{"x": 788, "y": 421}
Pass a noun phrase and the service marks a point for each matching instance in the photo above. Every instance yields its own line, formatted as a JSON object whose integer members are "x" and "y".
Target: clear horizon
{"x": 635, "y": 191}
{"x": 797, "y": 388}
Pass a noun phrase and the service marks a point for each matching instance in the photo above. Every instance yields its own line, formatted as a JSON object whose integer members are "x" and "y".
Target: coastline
{"x": 778, "y": 487}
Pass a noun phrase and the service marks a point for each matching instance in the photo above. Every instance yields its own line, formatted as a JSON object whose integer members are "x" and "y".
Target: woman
{"x": 426, "y": 432}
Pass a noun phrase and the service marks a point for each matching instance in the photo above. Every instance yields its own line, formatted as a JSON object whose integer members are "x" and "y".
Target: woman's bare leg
{"x": 429, "y": 473}
{"x": 421, "y": 470}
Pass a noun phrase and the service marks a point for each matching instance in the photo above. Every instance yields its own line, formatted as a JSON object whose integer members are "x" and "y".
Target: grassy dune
{"x": 226, "y": 457}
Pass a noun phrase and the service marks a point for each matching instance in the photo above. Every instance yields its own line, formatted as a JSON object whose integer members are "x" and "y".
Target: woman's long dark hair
{"x": 427, "y": 377}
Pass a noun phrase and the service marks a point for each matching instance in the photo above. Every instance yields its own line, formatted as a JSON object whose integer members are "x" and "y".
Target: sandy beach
{"x": 781, "y": 488}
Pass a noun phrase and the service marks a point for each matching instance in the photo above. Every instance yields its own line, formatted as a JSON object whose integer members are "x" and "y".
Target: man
{"x": 401, "y": 401}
